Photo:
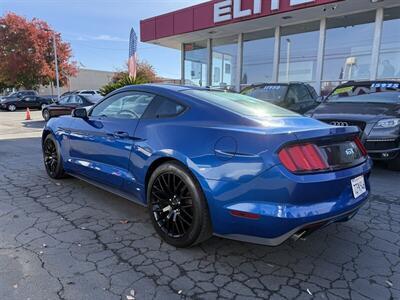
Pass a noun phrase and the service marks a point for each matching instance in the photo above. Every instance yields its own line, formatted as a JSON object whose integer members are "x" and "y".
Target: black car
{"x": 67, "y": 104}
{"x": 18, "y": 101}
{"x": 373, "y": 106}
{"x": 296, "y": 96}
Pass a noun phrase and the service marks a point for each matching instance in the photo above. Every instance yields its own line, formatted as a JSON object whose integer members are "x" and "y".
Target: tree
{"x": 27, "y": 56}
{"x": 145, "y": 74}
{"x": 145, "y": 71}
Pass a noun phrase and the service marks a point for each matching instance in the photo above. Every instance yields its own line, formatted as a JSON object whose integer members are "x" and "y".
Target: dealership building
{"x": 236, "y": 43}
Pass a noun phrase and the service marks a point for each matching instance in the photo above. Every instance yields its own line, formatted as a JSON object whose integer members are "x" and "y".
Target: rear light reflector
{"x": 246, "y": 215}
{"x": 361, "y": 146}
{"x": 303, "y": 158}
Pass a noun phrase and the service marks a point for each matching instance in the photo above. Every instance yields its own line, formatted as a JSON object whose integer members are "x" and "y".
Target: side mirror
{"x": 320, "y": 99}
{"x": 80, "y": 113}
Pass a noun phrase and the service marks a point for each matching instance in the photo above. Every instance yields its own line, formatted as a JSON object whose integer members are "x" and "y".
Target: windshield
{"x": 270, "y": 93}
{"x": 15, "y": 94}
{"x": 385, "y": 97}
{"x": 240, "y": 104}
{"x": 357, "y": 90}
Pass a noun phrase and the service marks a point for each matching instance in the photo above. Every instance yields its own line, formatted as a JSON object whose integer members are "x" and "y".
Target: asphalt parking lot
{"x": 70, "y": 240}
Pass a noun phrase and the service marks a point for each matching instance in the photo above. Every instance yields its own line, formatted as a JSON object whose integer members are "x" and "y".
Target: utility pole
{"x": 56, "y": 63}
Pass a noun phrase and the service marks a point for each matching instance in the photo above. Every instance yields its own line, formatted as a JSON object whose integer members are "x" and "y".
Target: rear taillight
{"x": 360, "y": 146}
{"x": 303, "y": 158}
{"x": 310, "y": 157}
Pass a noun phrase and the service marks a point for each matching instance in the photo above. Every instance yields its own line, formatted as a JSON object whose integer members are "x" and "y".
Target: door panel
{"x": 100, "y": 146}
{"x": 98, "y": 153}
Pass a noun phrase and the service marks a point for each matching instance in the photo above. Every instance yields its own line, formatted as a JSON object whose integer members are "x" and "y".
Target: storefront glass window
{"x": 299, "y": 49}
{"x": 348, "y": 47}
{"x": 258, "y": 56}
{"x": 196, "y": 63}
{"x": 389, "y": 58}
{"x": 224, "y": 53}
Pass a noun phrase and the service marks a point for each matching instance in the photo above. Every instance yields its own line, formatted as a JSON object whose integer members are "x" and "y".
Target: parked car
{"x": 373, "y": 106}
{"x": 18, "y": 101}
{"x": 20, "y": 94}
{"x": 82, "y": 92}
{"x": 208, "y": 162}
{"x": 88, "y": 92}
{"x": 67, "y": 104}
{"x": 296, "y": 96}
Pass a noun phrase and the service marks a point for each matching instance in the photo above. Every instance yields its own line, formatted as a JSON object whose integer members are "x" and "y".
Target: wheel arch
{"x": 184, "y": 162}
{"x": 45, "y": 133}
{"x": 153, "y": 166}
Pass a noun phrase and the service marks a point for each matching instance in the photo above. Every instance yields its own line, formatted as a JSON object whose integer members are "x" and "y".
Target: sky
{"x": 98, "y": 30}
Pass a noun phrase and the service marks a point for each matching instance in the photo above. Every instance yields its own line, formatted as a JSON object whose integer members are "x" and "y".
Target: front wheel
{"x": 394, "y": 164}
{"x": 52, "y": 158}
{"x": 46, "y": 115}
{"x": 177, "y": 206}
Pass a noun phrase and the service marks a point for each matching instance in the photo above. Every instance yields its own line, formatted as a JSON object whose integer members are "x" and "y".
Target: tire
{"x": 177, "y": 206}
{"x": 52, "y": 158}
{"x": 46, "y": 115}
{"x": 394, "y": 164}
{"x": 12, "y": 107}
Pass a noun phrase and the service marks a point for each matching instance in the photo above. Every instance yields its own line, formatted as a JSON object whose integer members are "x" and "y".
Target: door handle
{"x": 121, "y": 134}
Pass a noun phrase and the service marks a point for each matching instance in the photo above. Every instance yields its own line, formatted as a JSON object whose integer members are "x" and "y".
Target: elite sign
{"x": 232, "y": 9}
{"x": 214, "y": 13}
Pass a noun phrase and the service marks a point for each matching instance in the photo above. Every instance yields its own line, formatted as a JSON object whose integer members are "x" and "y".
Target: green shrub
{"x": 124, "y": 81}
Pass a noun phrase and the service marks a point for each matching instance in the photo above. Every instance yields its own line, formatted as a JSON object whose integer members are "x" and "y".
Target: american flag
{"x": 132, "y": 62}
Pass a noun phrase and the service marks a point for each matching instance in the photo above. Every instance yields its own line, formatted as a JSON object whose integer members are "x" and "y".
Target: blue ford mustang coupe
{"x": 211, "y": 162}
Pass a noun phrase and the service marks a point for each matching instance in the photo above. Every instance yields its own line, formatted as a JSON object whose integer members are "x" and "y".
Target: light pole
{"x": 55, "y": 62}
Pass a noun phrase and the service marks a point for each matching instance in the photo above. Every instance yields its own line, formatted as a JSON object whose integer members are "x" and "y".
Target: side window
{"x": 125, "y": 105}
{"x": 64, "y": 100}
{"x": 312, "y": 91}
{"x": 168, "y": 108}
{"x": 299, "y": 93}
{"x": 75, "y": 99}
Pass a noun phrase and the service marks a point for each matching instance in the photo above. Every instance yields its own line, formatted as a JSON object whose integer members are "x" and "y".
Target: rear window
{"x": 270, "y": 93}
{"x": 240, "y": 104}
{"x": 357, "y": 90}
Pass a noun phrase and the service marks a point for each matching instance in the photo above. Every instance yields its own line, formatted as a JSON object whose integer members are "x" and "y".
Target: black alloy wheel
{"x": 52, "y": 158}
{"x": 177, "y": 206}
{"x": 172, "y": 205}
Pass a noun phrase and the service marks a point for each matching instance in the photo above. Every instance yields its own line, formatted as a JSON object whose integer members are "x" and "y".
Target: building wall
{"x": 85, "y": 80}
{"x": 356, "y": 46}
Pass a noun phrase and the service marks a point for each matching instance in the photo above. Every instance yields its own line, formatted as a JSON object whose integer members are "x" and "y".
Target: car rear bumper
{"x": 281, "y": 204}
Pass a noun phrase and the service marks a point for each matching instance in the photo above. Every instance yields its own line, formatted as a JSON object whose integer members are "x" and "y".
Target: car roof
{"x": 160, "y": 87}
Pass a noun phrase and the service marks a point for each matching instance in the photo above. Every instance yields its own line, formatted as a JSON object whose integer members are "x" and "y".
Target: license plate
{"x": 358, "y": 185}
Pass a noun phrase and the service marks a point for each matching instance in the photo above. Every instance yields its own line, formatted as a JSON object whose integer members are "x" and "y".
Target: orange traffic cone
{"x": 28, "y": 114}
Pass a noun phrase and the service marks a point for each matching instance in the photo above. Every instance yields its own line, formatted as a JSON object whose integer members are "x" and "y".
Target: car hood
{"x": 356, "y": 111}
